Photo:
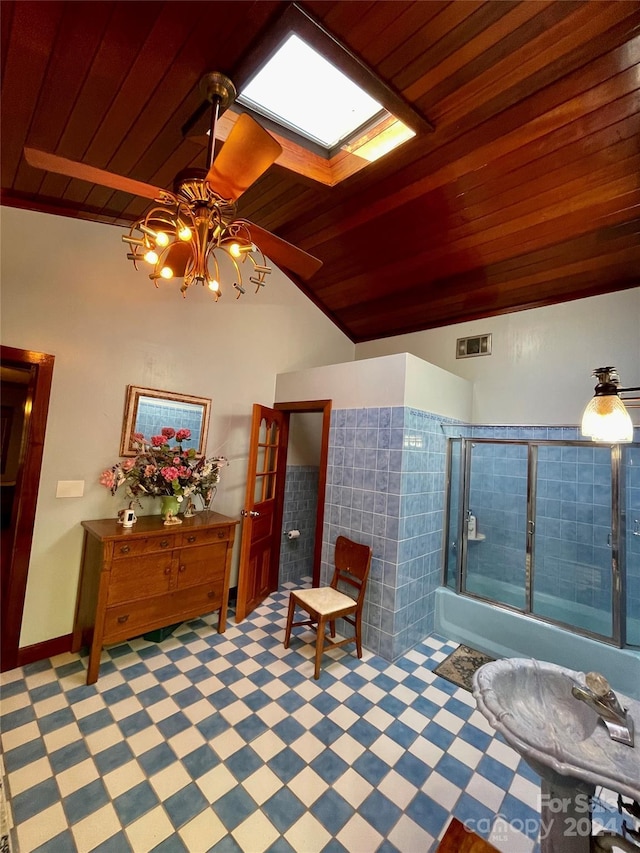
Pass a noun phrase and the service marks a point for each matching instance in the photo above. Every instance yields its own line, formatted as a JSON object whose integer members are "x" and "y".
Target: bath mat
{"x": 460, "y": 666}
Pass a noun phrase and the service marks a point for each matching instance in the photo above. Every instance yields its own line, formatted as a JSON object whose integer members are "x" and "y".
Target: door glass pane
{"x": 261, "y": 460}
{"x": 631, "y": 533}
{"x": 572, "y": 570}
{"x": 496, "y": 554}
{"x": 455, "y": 509}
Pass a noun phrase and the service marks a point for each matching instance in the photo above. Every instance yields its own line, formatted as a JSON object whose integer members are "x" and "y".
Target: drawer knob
{"x": 125, "y": 549}
{"x": 221, "y": 534}
{"x": 167, "y": 570}
{"x": 123, "y": 619}
{"x": 211, "y": 594}
{"x": 182, "y": 568}
{"x": 191, "y": 538}
{"x": 164, "y": 543}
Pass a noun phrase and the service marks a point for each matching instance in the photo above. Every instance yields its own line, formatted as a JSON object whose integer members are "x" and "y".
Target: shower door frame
{"x": 616, "y": 540}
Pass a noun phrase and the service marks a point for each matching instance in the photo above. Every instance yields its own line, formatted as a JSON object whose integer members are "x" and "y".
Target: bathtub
{"x": 505, "y": 633}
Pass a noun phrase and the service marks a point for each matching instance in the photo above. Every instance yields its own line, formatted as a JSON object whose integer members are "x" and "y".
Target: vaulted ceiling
{"x": 525, "y": 193}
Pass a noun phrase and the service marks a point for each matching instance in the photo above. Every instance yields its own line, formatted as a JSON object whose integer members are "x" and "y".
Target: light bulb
{"x": 162, "y": 239}
{"x": 607, "y": 419}
{"x": 151, "y": 257}
{"x": 184, "y": 233}
{"x": 214, "y": 285}
{"x": 166, "y": 272}
{"x": 236, "y": 250}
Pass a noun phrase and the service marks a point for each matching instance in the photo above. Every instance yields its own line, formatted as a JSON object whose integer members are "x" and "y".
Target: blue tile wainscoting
{"x": 299, "y": 513}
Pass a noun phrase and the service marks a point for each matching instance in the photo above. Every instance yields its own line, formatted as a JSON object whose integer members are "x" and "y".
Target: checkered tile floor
{"x": 208, "y": 742}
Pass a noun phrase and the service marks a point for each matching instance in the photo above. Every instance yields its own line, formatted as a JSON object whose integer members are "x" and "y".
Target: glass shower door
{"x": 572, "y": 578}
{"x": 497, "y": 499}
{"x": 454, "y": 513}
{"x": 631, "y": 534}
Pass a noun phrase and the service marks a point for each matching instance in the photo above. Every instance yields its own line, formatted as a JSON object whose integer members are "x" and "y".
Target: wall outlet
{"x": 70, "y": 489}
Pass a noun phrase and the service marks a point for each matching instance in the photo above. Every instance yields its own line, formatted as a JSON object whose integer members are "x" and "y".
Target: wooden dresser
{"x": 138, "y": 579}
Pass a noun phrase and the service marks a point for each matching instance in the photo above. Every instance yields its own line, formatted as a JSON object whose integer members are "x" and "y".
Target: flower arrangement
{"x": 160, "y": 469}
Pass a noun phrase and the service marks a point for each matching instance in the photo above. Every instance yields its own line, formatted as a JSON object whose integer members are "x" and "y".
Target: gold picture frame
{"x": 148, "y": 410}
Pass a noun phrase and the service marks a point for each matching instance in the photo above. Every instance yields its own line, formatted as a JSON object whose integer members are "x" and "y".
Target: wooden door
{"x": 262, "y": 513}
{"x": 21, "y": 479}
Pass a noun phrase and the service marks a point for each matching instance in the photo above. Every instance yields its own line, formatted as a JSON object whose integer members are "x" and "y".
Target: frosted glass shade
{"x": 606, "y": 419}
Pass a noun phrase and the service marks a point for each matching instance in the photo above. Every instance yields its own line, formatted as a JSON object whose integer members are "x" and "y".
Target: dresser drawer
{"x": 203, "y": 537}
{"x": 140, "y": 577}
{"x": 123, "y": 621}
{"x": 136, "y": 547}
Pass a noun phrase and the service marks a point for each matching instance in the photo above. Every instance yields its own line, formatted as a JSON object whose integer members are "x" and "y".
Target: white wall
{"x": 70, "y": 291}
{"x": 305, "y": 438}
{"x": 539, "y": 371}
{"x": 393, "y": 380}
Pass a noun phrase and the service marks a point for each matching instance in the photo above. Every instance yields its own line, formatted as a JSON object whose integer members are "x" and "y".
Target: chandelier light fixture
{"x": 192, "y": 233}
{"x": 606, "y": 417}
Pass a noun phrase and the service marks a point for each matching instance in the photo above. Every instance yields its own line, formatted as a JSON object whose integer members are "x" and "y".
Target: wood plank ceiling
{"x": 526, "y": 194}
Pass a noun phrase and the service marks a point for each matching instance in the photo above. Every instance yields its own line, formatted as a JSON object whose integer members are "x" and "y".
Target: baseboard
{"x": 46, "y": 649}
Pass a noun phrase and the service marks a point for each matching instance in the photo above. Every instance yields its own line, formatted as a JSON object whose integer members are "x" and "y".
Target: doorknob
{"x": 251, "y": 513}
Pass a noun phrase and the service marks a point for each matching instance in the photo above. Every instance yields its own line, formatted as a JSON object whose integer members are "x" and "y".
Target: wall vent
{"x": 476, "y": 345}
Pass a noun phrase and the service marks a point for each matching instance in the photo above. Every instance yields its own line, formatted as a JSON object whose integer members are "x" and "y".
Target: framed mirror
{"x": 148, "y": 410}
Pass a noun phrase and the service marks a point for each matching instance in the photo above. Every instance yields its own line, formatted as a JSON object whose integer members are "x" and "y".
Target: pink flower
{"x": 183, "y": 435}
{"x": 184, "y": 471}
{"x": 107, "y": 478}
{"x": 157, "y": 440}
{"x": 138, "y": 436}
{"x": 169, "y": 473}
{"x": 128, "y": 464}
{"x": 168, "y": 432}
{"x": 177, "y": 460}
{"x": 150, "y": 470}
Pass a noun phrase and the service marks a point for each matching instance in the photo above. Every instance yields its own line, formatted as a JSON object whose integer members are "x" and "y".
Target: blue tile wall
{"x": 385, "y": 487}
{"x": 299, "y": 513}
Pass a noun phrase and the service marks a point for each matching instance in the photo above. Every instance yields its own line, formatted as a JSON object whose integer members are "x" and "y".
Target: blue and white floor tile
{"x": 208, "y": 742}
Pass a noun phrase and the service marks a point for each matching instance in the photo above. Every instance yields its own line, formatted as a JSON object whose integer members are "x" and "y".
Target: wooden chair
{"x": 328, "y": 603}
{"x": 457, "y": 839}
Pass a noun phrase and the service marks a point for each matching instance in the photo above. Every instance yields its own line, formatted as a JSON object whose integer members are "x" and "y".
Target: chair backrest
{"x": 352, "y": 564}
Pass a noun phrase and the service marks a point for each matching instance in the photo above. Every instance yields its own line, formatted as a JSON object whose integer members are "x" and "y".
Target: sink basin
{"x": 530, "y": 703}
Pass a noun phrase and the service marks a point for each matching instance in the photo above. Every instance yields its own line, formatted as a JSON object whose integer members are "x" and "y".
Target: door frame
{"x": 323, "y": 406}
{"x": 26, "y": 494}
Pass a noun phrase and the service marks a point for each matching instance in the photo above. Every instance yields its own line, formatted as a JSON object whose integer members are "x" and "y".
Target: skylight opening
{"x": 300, "y": 89}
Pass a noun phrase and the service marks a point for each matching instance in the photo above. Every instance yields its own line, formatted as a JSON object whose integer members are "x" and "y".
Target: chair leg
{"x": 287, "y": 633}
{"x": 358, "y": 626}
{"x": 319, "y": 647}
{"x": 332, "y": 627}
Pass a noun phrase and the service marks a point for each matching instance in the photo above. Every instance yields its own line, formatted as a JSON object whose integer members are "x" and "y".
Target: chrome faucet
{"x": 599, "y": 696}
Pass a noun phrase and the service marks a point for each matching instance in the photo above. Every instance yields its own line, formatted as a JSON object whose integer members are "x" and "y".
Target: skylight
{"x": 300, "y": 89}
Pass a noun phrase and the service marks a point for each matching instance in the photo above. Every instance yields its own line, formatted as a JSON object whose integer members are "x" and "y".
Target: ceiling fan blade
{"x": 247, "y": 153}
{"x": 284, "y": 254}
{"x": 74, "y": 169}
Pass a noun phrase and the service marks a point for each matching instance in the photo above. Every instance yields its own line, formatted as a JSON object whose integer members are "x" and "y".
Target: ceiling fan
{"x": 190, "y": 228}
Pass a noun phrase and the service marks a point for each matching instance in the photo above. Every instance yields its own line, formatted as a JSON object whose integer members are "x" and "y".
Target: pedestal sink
{"x": 530, "y": 703}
